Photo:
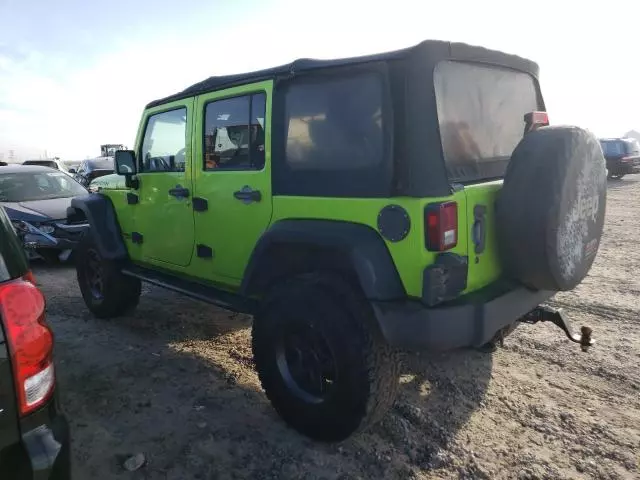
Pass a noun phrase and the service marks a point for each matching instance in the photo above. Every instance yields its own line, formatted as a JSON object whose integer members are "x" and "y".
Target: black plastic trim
{"x": 479, "y": 228}
{"x": 200, "y": 204}
{"x": 292, "y": 247}
{"x": 137, "y": 238}
{"x": 445, "y": 279}
{"x": 394, "y": 223}
{"x": 132, "y": 198}
{"x": 204, "y": 251}
{"x": 471, "y": 321}
{"x": 100, "y": 214}
{"x": 200, "y": 291}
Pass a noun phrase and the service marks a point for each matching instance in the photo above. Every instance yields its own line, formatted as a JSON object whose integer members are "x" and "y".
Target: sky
{"x": 75, "y": 74}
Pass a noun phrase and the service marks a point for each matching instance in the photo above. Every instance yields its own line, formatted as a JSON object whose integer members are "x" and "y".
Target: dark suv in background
{"x": 622, "y": 155}
{"x": 34, "y": 435}
{"x": 92, "y": 169}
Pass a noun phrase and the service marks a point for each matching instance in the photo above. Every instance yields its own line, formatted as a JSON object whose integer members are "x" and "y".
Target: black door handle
{"x": 179, "y": 192}
{"x": 248, "y": 195}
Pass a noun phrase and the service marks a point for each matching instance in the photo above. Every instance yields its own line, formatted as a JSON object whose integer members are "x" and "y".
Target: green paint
{"x": 231, "y": 228}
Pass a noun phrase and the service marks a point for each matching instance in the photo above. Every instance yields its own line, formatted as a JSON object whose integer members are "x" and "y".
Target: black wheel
{"x": 105, "y": 290}
{"x": 320, "y": 358}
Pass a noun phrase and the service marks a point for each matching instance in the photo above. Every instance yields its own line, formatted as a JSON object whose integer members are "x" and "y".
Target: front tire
{"x": 105, "y": 290}
{"x": 320, "y": 358}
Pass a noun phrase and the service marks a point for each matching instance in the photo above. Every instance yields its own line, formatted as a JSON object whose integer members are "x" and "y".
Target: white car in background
{"x": 55, "y": 163}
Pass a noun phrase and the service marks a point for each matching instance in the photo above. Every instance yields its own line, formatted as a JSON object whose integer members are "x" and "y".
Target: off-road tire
{"x": 367, "y": 368}
{"x": 119, "y": 293}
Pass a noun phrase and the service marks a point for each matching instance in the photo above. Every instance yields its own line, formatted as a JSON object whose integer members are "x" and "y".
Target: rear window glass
{"x": 613, "y": 147}
{"x": 481, "y": 113}
{"x": 103, "y": 164}
{"x": 42, "y": 163}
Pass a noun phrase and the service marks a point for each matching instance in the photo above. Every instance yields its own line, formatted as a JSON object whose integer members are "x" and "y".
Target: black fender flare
{"x": 342, "y": 245}
{"x": 103, "y": 224}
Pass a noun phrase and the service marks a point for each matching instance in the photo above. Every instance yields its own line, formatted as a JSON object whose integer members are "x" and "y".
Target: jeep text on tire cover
{"x": 411, "y": 199}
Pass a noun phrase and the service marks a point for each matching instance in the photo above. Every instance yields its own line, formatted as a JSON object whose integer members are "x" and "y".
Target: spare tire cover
{"x": 550, "y": 211}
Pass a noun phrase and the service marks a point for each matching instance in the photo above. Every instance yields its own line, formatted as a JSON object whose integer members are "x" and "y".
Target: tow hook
{"x": 558, "y": 318}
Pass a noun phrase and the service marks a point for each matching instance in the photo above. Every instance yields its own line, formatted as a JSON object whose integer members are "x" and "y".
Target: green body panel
{"x": 484, "y": 268}
{"x": 410, "y": 255}
{"x": 166, "y": 222}
{"x": 232, "y": 229}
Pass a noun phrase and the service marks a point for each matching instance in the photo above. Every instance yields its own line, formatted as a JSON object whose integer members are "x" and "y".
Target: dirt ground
{"x": 175, "y": 382}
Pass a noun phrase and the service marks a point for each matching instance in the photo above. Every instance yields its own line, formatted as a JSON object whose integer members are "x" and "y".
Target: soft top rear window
{"x": 481, "y": 116}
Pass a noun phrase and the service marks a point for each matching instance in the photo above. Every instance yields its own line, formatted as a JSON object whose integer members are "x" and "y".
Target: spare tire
{"x": 550, "y": 211}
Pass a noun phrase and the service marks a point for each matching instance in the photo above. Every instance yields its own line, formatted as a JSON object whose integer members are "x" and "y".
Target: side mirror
{"x": 72, "y": 170}
{"x": 125, "y": 162}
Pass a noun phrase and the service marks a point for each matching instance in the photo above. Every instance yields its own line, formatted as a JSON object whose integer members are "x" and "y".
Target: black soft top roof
{"x": 436, "y": 51}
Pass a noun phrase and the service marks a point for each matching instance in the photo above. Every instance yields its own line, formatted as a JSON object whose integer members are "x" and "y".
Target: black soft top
{"x": 434, "y": 49}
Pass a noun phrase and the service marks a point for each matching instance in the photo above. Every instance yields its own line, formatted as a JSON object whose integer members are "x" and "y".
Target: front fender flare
{"x": 103, "y": 224}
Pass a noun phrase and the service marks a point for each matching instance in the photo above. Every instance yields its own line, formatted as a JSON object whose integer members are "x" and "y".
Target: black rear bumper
{"x": 44, "y": 450}
{"x": 471, "y": 321}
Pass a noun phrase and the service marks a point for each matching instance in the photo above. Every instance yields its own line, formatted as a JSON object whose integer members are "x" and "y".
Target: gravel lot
{"x": 175, "y": 382}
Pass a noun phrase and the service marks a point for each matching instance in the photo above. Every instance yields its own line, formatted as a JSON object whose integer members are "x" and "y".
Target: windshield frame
{"x": 62, "y": 193}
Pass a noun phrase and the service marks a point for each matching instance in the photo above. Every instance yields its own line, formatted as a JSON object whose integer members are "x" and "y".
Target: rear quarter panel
{"x": 410, "y": 255}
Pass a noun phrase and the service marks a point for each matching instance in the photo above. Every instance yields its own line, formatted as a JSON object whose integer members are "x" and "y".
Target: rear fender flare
{"x": 292, "y": 247}
{"x": 103, "y": 224}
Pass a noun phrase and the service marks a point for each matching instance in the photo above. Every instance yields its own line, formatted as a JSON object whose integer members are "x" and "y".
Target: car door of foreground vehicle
{"x": 164, "y": 218}
{"x": 232, "y": 173}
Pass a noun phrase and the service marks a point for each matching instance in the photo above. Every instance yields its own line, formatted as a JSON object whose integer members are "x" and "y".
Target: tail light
{"x": 441, "y": 226}
{"x": 534, "y": 120}
{"x": 30, "y": 342}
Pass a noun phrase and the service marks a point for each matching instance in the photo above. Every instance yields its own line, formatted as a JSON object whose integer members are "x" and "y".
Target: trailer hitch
{"x": 558, "y": 318}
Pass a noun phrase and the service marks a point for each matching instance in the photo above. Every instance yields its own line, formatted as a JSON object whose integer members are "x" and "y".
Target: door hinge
{"x": 136, "y": 237}
{"x": 132, "y": 198}
{"x": 200, "y": 204}
{"x": 203, "y": 251}
{"x": 479, "y": 228}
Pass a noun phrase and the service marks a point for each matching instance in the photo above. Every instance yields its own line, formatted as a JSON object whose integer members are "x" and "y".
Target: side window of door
{"x": 234, "y": 133}
{"x": 164, "y": 144}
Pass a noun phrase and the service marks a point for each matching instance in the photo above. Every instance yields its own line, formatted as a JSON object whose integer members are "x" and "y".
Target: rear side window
{"x": 334, "y": 137}
{"x": 481, "y": 115}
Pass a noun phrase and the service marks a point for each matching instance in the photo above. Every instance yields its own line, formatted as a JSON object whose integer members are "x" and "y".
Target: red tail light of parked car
{"x": 30, "y": 342}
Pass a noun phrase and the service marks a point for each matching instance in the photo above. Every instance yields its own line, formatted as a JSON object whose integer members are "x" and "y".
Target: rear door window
{"x": 481, "y": 113}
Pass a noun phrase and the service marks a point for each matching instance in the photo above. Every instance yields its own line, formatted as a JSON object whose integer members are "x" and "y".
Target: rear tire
{"x": 105, "y": 290}
{"x": 320, "y": 358}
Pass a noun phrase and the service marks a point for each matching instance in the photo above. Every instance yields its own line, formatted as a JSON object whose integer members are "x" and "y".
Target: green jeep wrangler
{"x": 415, "y": 199}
